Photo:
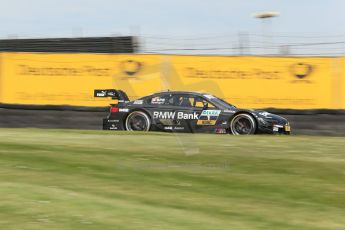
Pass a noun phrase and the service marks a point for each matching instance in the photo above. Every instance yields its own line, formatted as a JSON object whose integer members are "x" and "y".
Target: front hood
{"x": 269, "y": 117}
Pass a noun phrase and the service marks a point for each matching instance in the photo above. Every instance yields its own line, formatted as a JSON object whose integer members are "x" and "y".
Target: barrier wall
{"x": 249, "y": 82}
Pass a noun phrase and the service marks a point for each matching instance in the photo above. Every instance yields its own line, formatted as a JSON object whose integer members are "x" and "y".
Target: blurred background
{"x": 57, "y": 171}
{"x": 273, "y": 55}
{"x": 188, "y": 27}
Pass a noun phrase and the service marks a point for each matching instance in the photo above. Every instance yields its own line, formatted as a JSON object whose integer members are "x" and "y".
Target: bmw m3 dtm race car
{"x": 188, "y": 112}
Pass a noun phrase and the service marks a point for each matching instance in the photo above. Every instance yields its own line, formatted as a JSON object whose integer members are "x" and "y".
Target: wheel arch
{"x": 136, "y": 110}
{"x": 248, "y": 113}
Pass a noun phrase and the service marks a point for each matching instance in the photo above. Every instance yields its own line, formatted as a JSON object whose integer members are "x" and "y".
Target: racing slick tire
{"x": 138, "y": 121}
{"x": 243, "y": 124}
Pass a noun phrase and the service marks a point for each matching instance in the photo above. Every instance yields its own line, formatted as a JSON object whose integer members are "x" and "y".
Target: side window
{"x": 161, "y": 100}
{"x": 184, "y": 100}
{"x": 200, "y": 103}
{"x": 192, "y": 101}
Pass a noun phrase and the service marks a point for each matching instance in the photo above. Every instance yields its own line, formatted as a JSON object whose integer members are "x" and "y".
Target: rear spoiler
{"x": 113, "y": 93}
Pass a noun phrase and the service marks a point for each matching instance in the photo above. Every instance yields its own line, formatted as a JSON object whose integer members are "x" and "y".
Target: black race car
{"x": 191, "y": 112}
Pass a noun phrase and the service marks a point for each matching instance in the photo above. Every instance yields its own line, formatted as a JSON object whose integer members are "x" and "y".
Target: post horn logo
{"x": 301, "y": 70}
{"x": 130, "y": 67}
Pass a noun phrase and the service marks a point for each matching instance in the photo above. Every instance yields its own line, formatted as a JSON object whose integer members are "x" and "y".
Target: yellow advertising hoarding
{"x": 69, "y": 79}
{"x": 339, "y": 83}
{"x": 249, "y": 82}
{"x": 261, "y": 82}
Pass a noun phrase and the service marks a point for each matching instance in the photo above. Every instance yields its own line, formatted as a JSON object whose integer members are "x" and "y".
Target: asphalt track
{"x": 308, "y": 124}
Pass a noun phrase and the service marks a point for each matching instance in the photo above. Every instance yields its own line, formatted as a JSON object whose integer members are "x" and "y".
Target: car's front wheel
{"x": 243, "y": 124}
{"x": 138, "y": 121}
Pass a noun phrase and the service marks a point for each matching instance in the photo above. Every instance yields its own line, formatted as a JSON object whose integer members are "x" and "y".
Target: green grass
{"x": 66, "y": 179}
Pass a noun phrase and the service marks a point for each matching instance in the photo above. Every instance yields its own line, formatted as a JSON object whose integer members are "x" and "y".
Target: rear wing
{"x": 113, "y": 93}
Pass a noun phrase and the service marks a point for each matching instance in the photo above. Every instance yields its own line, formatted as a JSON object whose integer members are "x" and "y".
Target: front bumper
{"x": 281, "y": 129}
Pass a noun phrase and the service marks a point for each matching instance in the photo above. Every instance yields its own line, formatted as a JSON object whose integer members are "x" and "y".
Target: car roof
{"x": 180, "y": 92}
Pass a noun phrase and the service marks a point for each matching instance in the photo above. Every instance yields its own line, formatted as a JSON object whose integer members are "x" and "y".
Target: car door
{"x": 185, "y": 115}
{"x": 207, "y": 115}
{"x": 162, "y": 111}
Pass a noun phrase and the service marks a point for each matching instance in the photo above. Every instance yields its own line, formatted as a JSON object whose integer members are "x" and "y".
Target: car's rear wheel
{"x": 243, "y": 124}
{"x": 138, "y": 121}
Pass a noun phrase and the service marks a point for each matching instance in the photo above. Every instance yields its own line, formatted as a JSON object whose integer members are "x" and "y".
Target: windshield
{"x": 219, "y": 102}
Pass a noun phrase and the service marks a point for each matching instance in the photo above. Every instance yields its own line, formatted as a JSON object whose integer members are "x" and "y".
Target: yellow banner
{"x": 248, "y": 82}
{"x": 260, "y": 82}
{"x": 69, "y": 79}
{"x": 339, "y": 83}
{"x": 1, "y": 74}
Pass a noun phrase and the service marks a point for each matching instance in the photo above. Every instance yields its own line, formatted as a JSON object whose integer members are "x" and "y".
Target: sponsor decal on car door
{"x": 208, "y": 117}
